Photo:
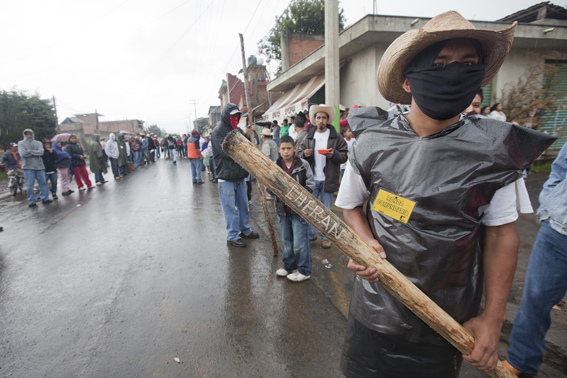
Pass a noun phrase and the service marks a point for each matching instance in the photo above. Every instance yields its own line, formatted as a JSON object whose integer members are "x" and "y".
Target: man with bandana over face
{"x": 442, "y": 190}
{"x": 230, "y": 176}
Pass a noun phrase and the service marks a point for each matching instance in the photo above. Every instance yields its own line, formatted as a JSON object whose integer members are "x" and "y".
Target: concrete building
{"x": 541, "y": 39}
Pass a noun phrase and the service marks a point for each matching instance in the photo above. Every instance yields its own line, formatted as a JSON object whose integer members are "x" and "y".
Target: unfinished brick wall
{"x": 301, "y": 45}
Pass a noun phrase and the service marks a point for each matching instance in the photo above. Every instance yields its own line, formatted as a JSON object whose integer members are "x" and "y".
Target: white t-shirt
{"x": 502, "y": 209}
{"x": 349, "y": 146}
{"x": 321, "y": 140}
{"x": 292, "y": 132}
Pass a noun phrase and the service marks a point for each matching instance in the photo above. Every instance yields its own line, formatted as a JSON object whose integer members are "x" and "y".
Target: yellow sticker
{"x": 393, "y": 206}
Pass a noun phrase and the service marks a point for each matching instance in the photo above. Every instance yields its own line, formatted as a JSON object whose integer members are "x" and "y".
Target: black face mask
{"x": 442, "y": 92}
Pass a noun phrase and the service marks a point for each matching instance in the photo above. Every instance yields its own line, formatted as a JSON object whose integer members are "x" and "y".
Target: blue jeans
{"x": 296, "y": 249}
{"x": 122, "y": 170}
{"x": 53, "y": 178}
{"x": 235, "y": 208}
{"x": 30, "y": 175}
{"x": 326, "y": 199}
{"x": 98, "y": 176}
{"x": 173, "y": 155}
{"x": 137, "y": 158}
{"x": 545, "y": 286}
{"x": 196, "y": 170}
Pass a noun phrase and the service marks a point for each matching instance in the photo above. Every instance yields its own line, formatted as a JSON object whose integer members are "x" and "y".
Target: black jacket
{"x": 225, "y": 168}
{"x": 151, "y": 144}
{"x": 75, "y": 150}
{"x": 49, "y": 159}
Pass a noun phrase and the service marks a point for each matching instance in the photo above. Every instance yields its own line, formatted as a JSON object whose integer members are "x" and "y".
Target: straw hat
{"x": 314, "y": 109}
{"x": 266, "y": 132}
{"x": 495, "y": 43}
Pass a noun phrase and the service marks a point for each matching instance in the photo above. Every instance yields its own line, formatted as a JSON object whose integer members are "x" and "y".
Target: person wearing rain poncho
{"x": 442, "y": 200}
{"x": 96, "y": 160}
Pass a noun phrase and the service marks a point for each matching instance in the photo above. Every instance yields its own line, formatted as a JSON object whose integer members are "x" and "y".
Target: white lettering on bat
{"x": 302, "y": 201}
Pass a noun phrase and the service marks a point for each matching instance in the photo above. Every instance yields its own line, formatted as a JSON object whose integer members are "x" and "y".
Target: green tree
{"x": 156, "y": 130}
{"x": 301, "y": 16}
{"x": 18, "y": 112}
{"x": 200, "y": 124}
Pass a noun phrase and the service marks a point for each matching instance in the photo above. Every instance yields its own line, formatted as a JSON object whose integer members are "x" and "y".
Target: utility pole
{"x": 332, "y": 89}
{"x": 245, "y": 71}
{"x": 195, "y": 103}
{"x": 249, "y": 128}
{"x": 97, "y": 129}
{"x": 56, "y": 118}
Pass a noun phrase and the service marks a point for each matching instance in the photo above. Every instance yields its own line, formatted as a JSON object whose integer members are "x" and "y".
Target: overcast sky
{"x": 142, "y": 59}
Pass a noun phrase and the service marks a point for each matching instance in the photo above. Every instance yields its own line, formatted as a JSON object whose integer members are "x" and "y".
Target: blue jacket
{"x": 9, "y": 160}
{"x": 553, "y": 197}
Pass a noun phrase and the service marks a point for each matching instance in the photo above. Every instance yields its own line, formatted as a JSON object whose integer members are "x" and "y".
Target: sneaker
{"x": 91, "y": 187}
{"x": 237, "y": 243}
{"x": 105, "y": 181}
{"x": 98, "y": 183}
{"x": 202, "y": 182}
{"x": 32, "y": 204}
{"x": 82, "y": 188}
{"x": 313, "y": 238}
{"x": 55, "y": 196}
{"x": 326, "y": 244}
{"x": 47, "y": 202}
{"x": 66, "y": 193}
{"x": 118, "y": 177}
{"x": 297, "y": 277}
{"x": 251, "y": 235}
{"x": 282, "y": 272}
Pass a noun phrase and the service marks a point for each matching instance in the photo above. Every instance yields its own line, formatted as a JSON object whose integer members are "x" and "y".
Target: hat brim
{"x": 314, "y": 109}
{"x": 495, "y": 43}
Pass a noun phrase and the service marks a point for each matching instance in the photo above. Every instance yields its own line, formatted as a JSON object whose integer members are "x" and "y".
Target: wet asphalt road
{"x": 120, "y": 280}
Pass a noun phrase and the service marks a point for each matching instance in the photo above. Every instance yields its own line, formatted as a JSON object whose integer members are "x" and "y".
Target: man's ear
{"x": 406, "y": 86}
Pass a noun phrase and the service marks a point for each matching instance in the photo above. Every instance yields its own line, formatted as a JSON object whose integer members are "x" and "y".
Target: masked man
{"x": 230, "y": 176}
{"x": 442, "y": 198}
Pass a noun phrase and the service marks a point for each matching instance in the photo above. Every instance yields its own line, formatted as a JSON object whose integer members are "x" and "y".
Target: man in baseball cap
{"x": 441, "y": 192}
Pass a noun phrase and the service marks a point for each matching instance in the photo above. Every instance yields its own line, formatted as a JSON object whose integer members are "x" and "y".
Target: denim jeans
{"x": 545, "y": 286}
{"x": 212, "y": 166}
{"x": 98, "y": 176}
{"x": 326, "y": 199}
{"x": 114, "y": 166}
{"x": 202, "y": 167}
{"x": 235, "y": 208}
{"x": 173, "y": 155}
{"x": 196, "y": 170}
{"x": 30, "y": 175}
{"x": 52, "y": 177}
{"x": 122, "y": 170}
{"x": 137, "y": 158}
{"x": 296, "y": 249}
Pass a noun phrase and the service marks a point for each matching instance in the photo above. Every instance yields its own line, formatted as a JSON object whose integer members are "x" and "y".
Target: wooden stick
{"x": 330, "y": 225}
{"x": 249, "y": 128}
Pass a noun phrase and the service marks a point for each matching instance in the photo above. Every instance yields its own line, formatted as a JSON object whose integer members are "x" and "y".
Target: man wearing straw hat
{"x": 442, "y": 198}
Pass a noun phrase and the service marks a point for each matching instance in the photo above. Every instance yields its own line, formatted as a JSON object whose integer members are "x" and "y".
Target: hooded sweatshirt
{"x": 225, "y": 167}
{"x": 31, "y": 152}
{"x": 111, "y": 148}
{"x": 123, "y": 152}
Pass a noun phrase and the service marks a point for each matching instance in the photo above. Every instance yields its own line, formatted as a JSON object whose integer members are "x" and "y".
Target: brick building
{"x": 84, "y": 125}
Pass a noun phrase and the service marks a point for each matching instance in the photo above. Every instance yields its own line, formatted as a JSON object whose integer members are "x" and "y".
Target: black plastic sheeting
{"x": 450, "y": 176}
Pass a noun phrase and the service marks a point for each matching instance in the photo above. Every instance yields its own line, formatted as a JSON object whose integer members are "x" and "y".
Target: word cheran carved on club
{"x": 303, "y": 201}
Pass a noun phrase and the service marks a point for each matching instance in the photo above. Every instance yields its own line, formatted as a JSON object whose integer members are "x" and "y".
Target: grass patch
{"x": 544, "y": 168}
{"x": 3, "y": 175}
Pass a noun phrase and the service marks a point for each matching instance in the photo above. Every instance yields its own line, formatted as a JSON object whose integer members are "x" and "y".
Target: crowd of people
{"x": 52, "y": 163}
